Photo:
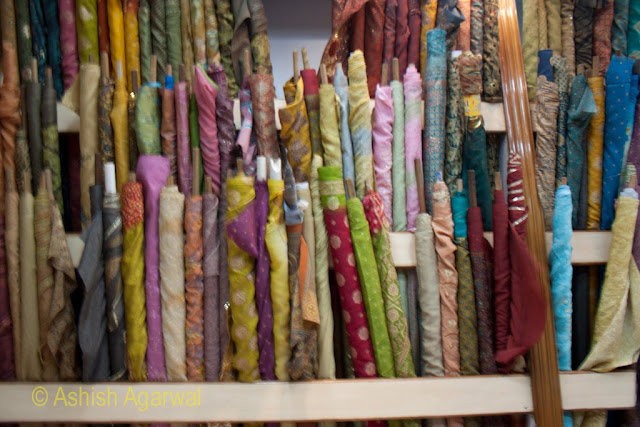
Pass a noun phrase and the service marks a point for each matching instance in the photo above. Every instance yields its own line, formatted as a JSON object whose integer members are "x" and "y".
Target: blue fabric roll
{"x": 561, "y": 273}
{"x": 54, "y": 54}
{"x": 620, "y": 100}
{"x": 544, "y": 64}
{"x": 38, "y": 37}
{"x": 459, "y": 209}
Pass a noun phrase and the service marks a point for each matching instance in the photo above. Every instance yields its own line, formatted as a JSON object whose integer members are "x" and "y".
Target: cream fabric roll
{"x": 428, "y": 298}
{"x": 29, "y": 319}
{"x": 89, "y": 78}
{"x": 171, "y": 265}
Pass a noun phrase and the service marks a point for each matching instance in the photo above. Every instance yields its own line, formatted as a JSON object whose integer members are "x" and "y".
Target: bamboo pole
{"x": 545, "y": 383}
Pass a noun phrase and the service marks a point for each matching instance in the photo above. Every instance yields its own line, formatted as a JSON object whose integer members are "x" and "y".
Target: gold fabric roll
{"x": 276, "y": 239}
{"x": 595, "y": 145}
{"x": 131, "y": 42}
{"x": 89, "y": 79}
{"x": 30, "y": 323}
{"x": 120, "y": 124}
{"x": 116, "y": 36}
{"x": 171, "y": 246}
{"x": 44, "y": 275}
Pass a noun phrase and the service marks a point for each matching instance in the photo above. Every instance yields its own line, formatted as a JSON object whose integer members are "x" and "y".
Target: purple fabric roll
{"x": 211, "y": 270}
{"x": 152, "y": 172}
{"x": 68, "y": 41}
{"x": 382, "y": 143}
{"x": 266, "y": 362}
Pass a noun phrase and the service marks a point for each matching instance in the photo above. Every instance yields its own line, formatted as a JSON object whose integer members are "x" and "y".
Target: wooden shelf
{"x": 69, "y": 121}
{"x": 316, "y": 400}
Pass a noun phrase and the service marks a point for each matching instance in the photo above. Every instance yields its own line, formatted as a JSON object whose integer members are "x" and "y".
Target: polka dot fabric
{"x": 344, "y": 264}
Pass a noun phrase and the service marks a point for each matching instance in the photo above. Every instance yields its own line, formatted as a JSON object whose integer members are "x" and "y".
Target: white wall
{"x": 294, "y": 24}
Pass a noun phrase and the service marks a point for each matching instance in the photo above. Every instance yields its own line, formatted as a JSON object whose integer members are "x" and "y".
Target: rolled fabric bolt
{"x": 152, "y": 172}
{"x": 172, "y": 281}
{"x": 51, "y": 147}
{"x": 88, "y": 79}
{"x": 342, "y": 90}
{"x": 144, "y": 31}
{"x": 211, "y": 33}
{"x": 198, "y": 32}
{"x": 33, "y": 100}
{"x": 205, "y": 91}
{"x": 455, "y": 131}
{"x": 183, "y": 147}
{"x": 131, "y": 42}
{"x": 262, "y": 94}
{"x": 168, "y": 124}
{"x": 173, "y": 17}
{"x": 159, "y": 34}
{"x": 295, "y": 131}
{"x": 120, "y": 124}
{"x": 186, "y": 36}
{"x": 382, "y": 129}
{"x": 116, "y": 36}
{"x": 412, "y": 144}
{"x": 148, "y": 119}
{"x": 105, "y": 105}
{"x": 224, "y": 15}
{"x": 68, "y": 41}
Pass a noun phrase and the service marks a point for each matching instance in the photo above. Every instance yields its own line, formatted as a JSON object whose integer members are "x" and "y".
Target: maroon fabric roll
{"x": 413, "y": 49}
{"x": 402, "y": 35}
{"x": 482, "y": 287}
{"x": 501, "y": 275}
{"x": 388, "y": 49}
{"x": 374, "y": 42}
{"x": 103, "y": 27}
{"x": 358, "y": 27}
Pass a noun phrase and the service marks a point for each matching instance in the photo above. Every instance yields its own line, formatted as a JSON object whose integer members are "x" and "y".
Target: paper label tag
{"x": 472, "y": 105}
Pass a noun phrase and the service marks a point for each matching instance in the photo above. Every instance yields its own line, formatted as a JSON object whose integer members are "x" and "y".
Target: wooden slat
{"x": 311, "y": 401}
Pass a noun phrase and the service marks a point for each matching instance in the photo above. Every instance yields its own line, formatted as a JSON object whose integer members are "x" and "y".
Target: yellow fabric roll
{"x": 89, "y": 78}
{"x": 29, "y": 319}
{"x": 244, "y": 315}
{"x": 132, "y": 44}
{"x": 295, "y": 130}
{"x": 120, "y": 124}
{"x": 171, "y": 247}
{"x": 276, "y": 240}
{"x": 428, "y": 12}
{"x": 329, "y": 128}
{"x": 133, "y": 279}
{"x": 44, "y": 274}
{"x": 595, "y": 143}
{"x": 116, "y": 35}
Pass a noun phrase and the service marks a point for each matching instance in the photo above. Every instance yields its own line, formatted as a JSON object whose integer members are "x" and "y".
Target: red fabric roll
{"x": 389, "y": 44}
{"x": 374, "y": 42}
{"x": 402, "y": 35}
{"x": 358, "y": 27}
{"x": 413, "y": 50}
{"x": 480, "y": 265}
{"x": 103, "y": 28}
{"x": 501, "y": 275}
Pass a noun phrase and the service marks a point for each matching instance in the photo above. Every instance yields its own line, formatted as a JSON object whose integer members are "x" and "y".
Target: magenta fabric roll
{"x": 152, "y": 172}
{"x": 182, "y": 128}
{"x": 412, "y": 140}
{"x": 206, "y": 91}
{"x": 68, "y": 41}
{"x": 244, "y": 135}
{"x": 382, "y": 129}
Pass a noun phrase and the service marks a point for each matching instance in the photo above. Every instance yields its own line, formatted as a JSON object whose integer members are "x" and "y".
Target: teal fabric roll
{"x": 619, "y": 27}
{"x": 475, "y": 158}
{"x": 633, "y": 30}
{"x": 39, "y": 34}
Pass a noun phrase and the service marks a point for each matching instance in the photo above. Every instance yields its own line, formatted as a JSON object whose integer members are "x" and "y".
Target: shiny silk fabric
{"x": 103, "y": 26}
{"x": 395, "y": 316}
{"x": 353, "y": 311}
{"x": 241, "y": 238}
{"x": 120, "y": 125}
{"x": 402, "y": 34}
{"x": 370, "y": 287}
{"x": 398, "y": 214}
{"x": 276, "y": 240}
{"x": 131, "y": 42}
{"x": 445, "y": 249}
{"x": 382, "y": 129}
{"x": 295, "y": 130}
{"x": 374, "y": 42}
{"x": 152, "y": 172}
{"x": 116, "y": 36}
{"x": 595, "y": 144}
{"x": 133, "y": 279}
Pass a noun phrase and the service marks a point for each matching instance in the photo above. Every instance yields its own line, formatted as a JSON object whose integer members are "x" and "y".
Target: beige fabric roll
{"x": 29, "y": 319}
{"x": 12, "y": 243}
{"x": 89, "y": 78}
{"x": 171, "y": 265}
{"x": 428, "y": 298}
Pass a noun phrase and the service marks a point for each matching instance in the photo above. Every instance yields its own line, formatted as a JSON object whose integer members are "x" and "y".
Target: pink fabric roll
{"x": 206, "y": 91}
{"x": 68, "y": 41}
{"x": 412, "y": 140}
{"x": 182, "y": 128}
{"x": 382, "y": 141}
{"x": 152, "y": 172}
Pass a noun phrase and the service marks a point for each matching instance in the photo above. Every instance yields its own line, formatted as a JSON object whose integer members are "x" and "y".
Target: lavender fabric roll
{"x": 152, "y": 172}
{"x": 382, "y": 145}
{"x": 211, "y": 271}
{"x": 412, "y": 142}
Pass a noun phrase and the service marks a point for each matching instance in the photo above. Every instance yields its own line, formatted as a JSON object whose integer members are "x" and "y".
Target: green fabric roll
{"x": 144, "y": 32}
{"x": 530, "y": 45}
{"x": 194, "y": 132}
{"x": 23, "y": 34}
{"x": 397, "y": 168}
{"x": 225, "y": 35}
{"x": 50, "y": 145}
{"x": 148, "y": 120}
{"x": 86, "y": 27}
{"x": 554, "y": 25}
{"x": 159, "y": 35}
{"x": 370, "y": 286}
{"x": 174, "y": 37}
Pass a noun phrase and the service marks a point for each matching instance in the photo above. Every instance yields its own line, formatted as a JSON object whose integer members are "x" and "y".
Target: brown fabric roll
{"x": 415, "y": 18}
{"x": 262, "y": 94}
{"x": 168, "y": 131}
{"x": 374, "y": 42}
{"x": 358, "y": 26}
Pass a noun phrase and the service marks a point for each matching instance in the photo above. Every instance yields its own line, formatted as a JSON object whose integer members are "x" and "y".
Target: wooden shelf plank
{"x": 310, "y": 401}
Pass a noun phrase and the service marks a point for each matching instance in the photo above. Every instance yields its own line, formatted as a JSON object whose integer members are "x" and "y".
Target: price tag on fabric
{"x": 472, "y": 105}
